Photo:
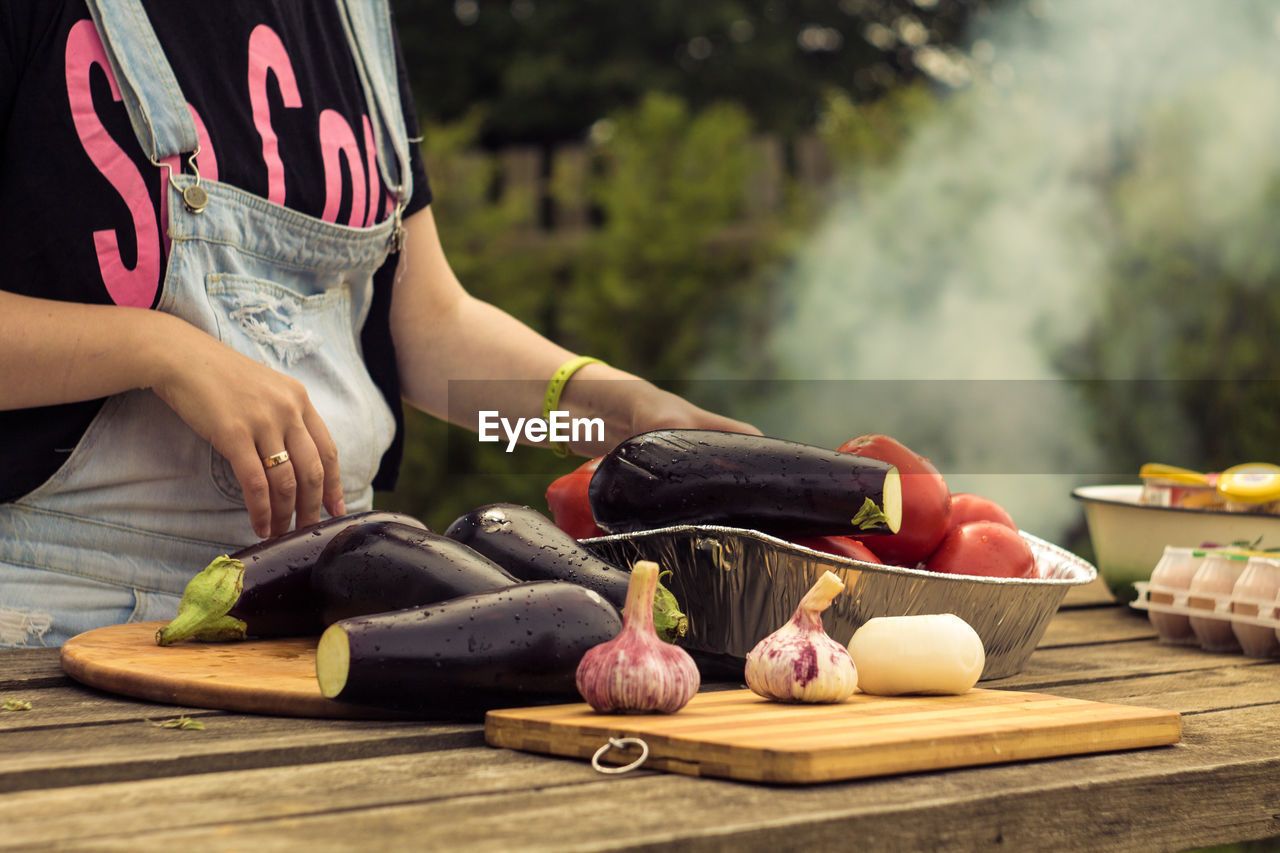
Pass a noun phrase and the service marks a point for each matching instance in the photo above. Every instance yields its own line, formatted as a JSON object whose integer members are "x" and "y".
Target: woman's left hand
{"x": 664, "y": 410}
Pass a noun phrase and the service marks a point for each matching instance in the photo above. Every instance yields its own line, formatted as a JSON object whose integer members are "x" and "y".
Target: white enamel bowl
{"x": 1128, "y": 538}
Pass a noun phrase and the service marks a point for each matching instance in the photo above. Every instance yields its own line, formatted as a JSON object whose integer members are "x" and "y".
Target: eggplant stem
{"x": 209, "y": 596}
{"x": 669, "y": 622}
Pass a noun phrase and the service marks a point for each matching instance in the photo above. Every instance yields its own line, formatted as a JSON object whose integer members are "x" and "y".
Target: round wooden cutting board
{"x": 275, "y": 677}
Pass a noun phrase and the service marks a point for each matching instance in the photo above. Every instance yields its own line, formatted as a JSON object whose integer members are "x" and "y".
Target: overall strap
{"x": 157, "y": 109}
{"x": 368, "y": 27}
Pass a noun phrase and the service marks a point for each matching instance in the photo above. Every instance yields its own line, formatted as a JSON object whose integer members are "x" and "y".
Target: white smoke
{"x": 982, "y": 247}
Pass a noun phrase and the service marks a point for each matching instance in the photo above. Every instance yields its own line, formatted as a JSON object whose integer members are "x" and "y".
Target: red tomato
{"x": 926, "y": 501}
{"x": 983, "y": 548}
{"x": 967, "y": 507}
{"x": 841, "y": 546}
{"x": 567, "y": 498}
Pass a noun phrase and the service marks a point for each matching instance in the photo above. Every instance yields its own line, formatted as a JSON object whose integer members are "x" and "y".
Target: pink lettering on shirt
{"x": 136, "y": 286}
{"x": 267, "y": 54}
{"x": 375, "y": 184}
{"x": 337, "y": 141}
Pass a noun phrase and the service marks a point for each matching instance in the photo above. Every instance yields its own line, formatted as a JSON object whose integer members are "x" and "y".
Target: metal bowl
{"x": 738, "y": 586}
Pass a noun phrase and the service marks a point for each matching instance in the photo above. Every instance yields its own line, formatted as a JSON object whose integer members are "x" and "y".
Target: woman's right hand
{"x": 54, "y": 352}
{"x": 248, "y": 412}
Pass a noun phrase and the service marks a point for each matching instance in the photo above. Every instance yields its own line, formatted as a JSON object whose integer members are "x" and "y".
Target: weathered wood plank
{"x": 27, "y": 668}
{"x": 33, "y": 818}
{"x": 74, "y": 705}
{"x": 1219, "y": 785}
{"x": 522, "y": 179}
{"x": 764, "y": 192}
{"x": 570, "y": 171}
{"x": 1196, "y": 692}
{"x": 1050, "y": 667}
{"x": 139, "y": 749}
{"x": 1096, "y": 625}
{"x": 814, "y": 169}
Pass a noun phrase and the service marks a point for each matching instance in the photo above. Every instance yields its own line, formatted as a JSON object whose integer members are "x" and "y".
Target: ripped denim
{"x": 46, "y": 608}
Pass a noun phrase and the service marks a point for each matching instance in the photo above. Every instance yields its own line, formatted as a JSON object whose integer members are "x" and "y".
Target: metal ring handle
{"x": 620, "y": 743}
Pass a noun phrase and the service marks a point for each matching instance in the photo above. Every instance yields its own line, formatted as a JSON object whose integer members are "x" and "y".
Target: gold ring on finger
{"x": 275, "y": 459}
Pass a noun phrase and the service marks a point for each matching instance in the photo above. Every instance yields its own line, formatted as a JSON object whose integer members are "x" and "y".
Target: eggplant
{"x": 515, "y": 646}
{"x": 373, "y": 568}
{"x": 673, "y": 477}
{"x": 264, "y": 590}
{"x": 530, "y": 546}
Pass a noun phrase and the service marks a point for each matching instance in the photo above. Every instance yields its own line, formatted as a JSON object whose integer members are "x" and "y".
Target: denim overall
{"x": 143, "y": 502}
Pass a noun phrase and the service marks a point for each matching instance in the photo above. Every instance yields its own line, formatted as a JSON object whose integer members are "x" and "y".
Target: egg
{"x": 1253, "y": 595}
{"x": 1209, "y": 592}
{"x": 1170, "y": 581}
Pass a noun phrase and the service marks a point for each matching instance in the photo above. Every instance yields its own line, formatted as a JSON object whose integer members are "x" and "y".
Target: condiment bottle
{"x": 1170, "y": 486}
{"x": 1254, "y": 594}
{"x": 1212, "y": 583}
{"x": 1170, "y": 581}
{"x": 1253, "y": 487}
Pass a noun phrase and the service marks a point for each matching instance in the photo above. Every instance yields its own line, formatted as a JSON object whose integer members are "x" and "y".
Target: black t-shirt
{"x": 275, "y": 91}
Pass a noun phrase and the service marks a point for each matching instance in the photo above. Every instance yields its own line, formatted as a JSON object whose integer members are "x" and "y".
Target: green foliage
{"x": 671, "y": 183}
{"x": 869, "y": 134}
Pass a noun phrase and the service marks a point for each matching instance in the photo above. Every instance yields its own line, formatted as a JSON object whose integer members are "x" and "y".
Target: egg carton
{"x": 1208, "y": 605}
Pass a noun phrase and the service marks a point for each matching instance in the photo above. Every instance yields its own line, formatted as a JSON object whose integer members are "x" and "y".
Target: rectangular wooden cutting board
{"x": 735, "y": 734}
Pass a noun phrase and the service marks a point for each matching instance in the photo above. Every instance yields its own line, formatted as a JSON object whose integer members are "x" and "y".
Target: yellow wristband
{"x": 555, "y": 387}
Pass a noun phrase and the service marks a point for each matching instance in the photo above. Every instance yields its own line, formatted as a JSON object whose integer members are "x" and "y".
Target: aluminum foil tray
{"x": 738, "y": 586}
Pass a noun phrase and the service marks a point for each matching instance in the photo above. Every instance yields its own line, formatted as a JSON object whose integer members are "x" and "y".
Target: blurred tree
{"x": 1180, "y": 365}
{"x": 546, "y": 70}
{"x": 670, "y": 183}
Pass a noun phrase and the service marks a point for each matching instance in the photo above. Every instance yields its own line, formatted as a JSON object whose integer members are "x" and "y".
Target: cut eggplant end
{"x": 333, "y": 661}
{"x": 892, "y": 499}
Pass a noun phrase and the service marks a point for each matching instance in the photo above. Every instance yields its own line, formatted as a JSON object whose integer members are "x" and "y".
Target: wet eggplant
{"x": 530, "y": 546}
{"x": 264, "y": 590}
{"x": 672, "y": 477}
{"x": 373, "y": 568}
{"x": 515, "y": 646}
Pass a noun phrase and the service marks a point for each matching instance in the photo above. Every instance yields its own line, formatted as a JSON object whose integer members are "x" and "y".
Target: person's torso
{"x": 279, "y": 112}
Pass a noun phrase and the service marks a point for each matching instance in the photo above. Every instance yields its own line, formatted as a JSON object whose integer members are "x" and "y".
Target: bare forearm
{"x": 458, "y": 356}
{"x": 506, "y": 368}
{"x": 61, "y": 352}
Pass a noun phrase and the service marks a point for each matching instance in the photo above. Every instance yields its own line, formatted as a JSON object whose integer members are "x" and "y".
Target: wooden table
{"x": 83, "y": 770}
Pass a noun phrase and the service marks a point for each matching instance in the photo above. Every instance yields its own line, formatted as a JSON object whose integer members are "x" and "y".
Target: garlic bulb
{"x": 799, "y": 662}
{"x": 636, "y": 671}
